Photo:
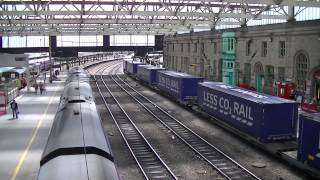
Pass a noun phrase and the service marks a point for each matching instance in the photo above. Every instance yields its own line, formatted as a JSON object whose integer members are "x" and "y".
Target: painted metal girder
{"x": 153, "y": 16}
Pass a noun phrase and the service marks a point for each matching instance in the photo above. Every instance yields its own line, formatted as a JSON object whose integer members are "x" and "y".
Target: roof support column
{"x": 243, "y": 21}
{"x": 0, "y": 42}
{"x": 106, "y": 41}
{"x": 158, "y": 44}
{"x": 291, "y": 14}
{"x": 53, "y": 42}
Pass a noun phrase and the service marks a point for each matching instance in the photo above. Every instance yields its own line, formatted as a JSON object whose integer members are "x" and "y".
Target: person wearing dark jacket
{"x": 14, "y": 108}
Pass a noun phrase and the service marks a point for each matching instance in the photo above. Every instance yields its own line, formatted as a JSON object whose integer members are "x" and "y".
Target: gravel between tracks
{"x": 179, "y": 157}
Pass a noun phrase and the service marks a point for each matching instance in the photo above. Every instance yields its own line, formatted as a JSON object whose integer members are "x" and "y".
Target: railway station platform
{"x": 22, "y": 140}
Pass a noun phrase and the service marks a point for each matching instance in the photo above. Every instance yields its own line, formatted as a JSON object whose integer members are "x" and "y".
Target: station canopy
{"x": 155, "y": 17}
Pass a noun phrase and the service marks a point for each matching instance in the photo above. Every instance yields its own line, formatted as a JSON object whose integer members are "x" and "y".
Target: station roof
{"x": 156, "y": 17}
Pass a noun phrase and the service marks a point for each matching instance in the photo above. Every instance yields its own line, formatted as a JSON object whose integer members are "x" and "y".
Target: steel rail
{"x": 149, "y": 162}
{"x": 224, "y": 164}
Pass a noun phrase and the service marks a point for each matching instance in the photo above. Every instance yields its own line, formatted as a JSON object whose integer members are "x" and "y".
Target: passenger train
{"x": 264, "y": 120}
{"x": 77, "y": 148}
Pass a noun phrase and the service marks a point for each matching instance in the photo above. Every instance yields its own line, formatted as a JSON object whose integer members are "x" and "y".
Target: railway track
{"x": 150, "y": 163}
{"x": 225, "y": 165}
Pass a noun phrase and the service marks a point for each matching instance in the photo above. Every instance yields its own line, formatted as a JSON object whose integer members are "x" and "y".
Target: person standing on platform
{"x": 41, "y": 86}
{"x": 14, "y": 108}
{"x": 44, "y": 77}
{"x": 36, "y": 87}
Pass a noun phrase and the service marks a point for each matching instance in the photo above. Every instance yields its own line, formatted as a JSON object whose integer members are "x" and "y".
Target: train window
{"x": 181, "y": 47}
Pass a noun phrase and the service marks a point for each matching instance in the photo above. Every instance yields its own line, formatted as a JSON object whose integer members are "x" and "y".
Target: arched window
{"x": 258, "y": 68}
{"x": 301, "y": 67}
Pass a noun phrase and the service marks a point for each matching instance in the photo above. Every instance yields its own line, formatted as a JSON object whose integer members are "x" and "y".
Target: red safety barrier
{"x": 246, "y": 86}
{"x": 312, "y": 108}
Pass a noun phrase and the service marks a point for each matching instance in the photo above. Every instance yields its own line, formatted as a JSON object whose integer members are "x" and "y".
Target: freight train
{"x": 77, "y": 148}
{"x": 266, "y": 121}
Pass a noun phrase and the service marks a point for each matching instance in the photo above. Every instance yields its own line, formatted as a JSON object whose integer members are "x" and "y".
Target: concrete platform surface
{"x": 22, "y": 140}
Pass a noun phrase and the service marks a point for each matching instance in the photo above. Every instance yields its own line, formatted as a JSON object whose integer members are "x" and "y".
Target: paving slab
{"x": 22, "y": 140}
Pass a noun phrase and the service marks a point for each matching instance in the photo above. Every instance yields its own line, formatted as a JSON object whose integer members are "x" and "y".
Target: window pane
{"x": 15, "y": 42}
{"x": 74, "y": 41}
{"x": 132, "y": 40}
{"x": 37, "y": 41}
{"x": 5, "y": 42}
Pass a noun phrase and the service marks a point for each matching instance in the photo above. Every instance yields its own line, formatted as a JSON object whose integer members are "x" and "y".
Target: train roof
{"x": 17, "y": 70}
{"x": 135, "y": 62}
{"x": 77, "y": 91}
{"x": 76, "y": 69}
{"x": 179, "y": 74}
{"x": 76, "y": 129}
{"x": 311, "y": 116}
{"x": 5, "y": 69}
{"x": 148, "y": 66}
{"x": 244, "y": 93}
{"x": 79, "y": 167}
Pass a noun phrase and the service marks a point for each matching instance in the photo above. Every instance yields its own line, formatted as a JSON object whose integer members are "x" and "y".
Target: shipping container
{"x": 265, "y": 118}
{"x": 181, "y": 86}
{"x": 309, "y": 139}
{"x": 125, "y": 65}
{"x": 132, "y": 67}
{"x": 148, "y": 73}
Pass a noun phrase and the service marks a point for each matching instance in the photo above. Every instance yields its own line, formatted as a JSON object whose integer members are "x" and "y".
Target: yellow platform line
{"x": 34, "y": 134}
